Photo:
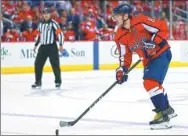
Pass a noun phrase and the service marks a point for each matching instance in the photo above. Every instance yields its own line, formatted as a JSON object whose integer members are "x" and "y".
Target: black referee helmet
{"x": 47, "y": 10}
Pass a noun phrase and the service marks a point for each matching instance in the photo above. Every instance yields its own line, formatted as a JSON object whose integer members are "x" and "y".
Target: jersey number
{"x": 151, "y": 19}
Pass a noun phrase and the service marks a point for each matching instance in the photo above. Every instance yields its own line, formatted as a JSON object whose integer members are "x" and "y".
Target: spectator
{"x": 69, "y": 34}
{"x": 106, "y": 33}
{"x": 180, "y": 30}
{"x": 166, "y": 4}
{"x": 9, "y": 7}
{"x": 99, "y": 21}
{"x": 147, "y": 8}
{"x": 113, "y": 3}
{"x": 89, "y": 29}
{"x": 25, "y": 12}
{"x": 75, "y": 19}
{"x": 11, "y": 35}
{"x": 63, "y": 23}
{"x": 138, "y": 5}
{"x": 93, "y": 9}
{"x": 81, "y": 34}
{"x": 157, "y": 9}
{"x": 6, "y": 24}
{"x": 35, "y": 14}
{"x": 179, "y": 3}
{"x": 15, "y": 17}
{"x": 64, "y": 5}
{"x": 64, "y": 13}
{"x": 19, "y": 6}
{"x": 85, "y": 9}
{"x": 164, "y": 18}
{"x": 55, "y": 15}
{"x": 27, "y": 22}
{"x": 109, "y": 20}
{"x": 76, "y": 4}
{"x": 19, "y": 13}
{"x": 41, "y": 6}
{"x": 29, "y": 34}
{"x": 109, "y": 9}
{"x": 183, "y": 7}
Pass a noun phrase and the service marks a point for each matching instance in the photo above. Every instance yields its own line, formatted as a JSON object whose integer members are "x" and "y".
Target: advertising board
{"x": 76, "y": 56}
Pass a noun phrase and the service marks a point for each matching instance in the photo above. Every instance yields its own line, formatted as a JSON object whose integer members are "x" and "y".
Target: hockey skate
{"x": 58, "y": 85}
{"x": 170, "y": 111}
{"x": 161, "y": 121}
{"x": 36, "y": 86}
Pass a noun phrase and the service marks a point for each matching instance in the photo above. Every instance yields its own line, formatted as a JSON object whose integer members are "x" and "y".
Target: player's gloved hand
{"x": 121, "y": 75}
{"x": 148, "y": 44}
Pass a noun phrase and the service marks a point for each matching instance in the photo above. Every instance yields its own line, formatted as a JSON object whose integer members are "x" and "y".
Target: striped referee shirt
{"x": 47, "y": 32}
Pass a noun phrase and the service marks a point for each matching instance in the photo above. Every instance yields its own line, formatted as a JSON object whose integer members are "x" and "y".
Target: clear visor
{"x": 114, "y": 17}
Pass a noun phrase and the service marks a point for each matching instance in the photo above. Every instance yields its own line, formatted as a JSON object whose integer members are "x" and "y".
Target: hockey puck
{"x": 57, "y": 132}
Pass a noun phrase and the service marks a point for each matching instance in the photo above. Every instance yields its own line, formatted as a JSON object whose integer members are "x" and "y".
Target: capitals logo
{"x": 138, "y": 40}
{"x": 137, "y": 45}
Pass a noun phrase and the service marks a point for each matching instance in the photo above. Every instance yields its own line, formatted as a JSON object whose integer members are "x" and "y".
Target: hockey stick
{"x": 71, "y": 123}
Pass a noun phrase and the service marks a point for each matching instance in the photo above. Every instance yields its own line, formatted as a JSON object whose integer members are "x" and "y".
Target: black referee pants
{"x": 44, "y": 52}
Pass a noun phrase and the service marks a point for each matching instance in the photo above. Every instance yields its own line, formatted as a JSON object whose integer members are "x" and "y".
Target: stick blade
{"x": 65, "y": 124}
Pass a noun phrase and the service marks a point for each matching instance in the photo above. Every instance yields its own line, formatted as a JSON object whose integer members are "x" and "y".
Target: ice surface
{"x": 126, "y": 109}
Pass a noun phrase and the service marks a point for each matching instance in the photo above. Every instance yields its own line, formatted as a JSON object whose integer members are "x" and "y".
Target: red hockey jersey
{"x": 131, "y": 41}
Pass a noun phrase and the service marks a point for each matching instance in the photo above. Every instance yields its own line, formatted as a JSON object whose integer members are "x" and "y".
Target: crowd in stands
{"x": 82, "y": 20}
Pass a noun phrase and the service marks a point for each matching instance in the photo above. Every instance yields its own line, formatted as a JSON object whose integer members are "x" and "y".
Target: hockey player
{"x": 146, "y": 37}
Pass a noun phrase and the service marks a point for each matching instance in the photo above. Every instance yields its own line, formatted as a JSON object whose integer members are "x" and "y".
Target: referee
{"x": 48, "y": 30}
